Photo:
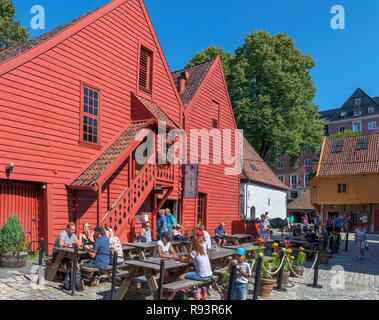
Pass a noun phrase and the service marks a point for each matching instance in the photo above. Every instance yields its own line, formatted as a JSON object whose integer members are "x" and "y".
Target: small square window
{"x": 371, "y": 110}
{"x": 281, "y": 165}
{"x": 372, "y": 125}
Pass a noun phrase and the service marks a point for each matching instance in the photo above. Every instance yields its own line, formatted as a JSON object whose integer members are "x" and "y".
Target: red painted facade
{"x": 41, "y": 125}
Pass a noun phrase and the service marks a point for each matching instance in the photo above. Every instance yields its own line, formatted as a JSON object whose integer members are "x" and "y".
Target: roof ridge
{"x": 196, "y": 65}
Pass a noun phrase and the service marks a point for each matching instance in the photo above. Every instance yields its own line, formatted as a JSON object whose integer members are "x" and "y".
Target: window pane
{"x": 91, "y": 93}
{"x": 95, "y": 139}
{"x": 95, "y": 122}
{"x": 85, "y": 128}
{"x": 91, "y": 102}
{"x": 85, "y": 100}
{"x": 90, "y": 110}
{"x": 85, "y": 137}
{"x": 86, "y": 91}
{"x": 85, "y": 108}
{"x": 95, "y": 103}
{"x": 85, "y": 119}
{"x": 95, "y": 95}
{"x": 95, "y": 111}
{"x": 90, "y": 121}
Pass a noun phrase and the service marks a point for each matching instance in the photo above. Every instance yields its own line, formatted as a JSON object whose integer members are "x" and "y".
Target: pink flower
{"x": 287, "y": 242}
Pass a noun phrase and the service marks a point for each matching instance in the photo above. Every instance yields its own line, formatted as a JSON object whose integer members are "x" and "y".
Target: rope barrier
{"x": 306, "y": 274}
{"x": 273, "y": 273}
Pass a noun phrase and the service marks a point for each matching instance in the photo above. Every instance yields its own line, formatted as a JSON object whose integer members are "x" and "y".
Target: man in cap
{"x": 99, "y": 254}
{"x": 220, "y": 234}
{"x": 163, "y": 248}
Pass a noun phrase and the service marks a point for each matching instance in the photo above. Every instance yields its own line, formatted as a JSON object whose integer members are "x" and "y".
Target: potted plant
{"x": 13, "y": 247}
{"x": 298, "y": 266}
{"x": 266, "y": 281}
{"x": 286, "y": 267}
{"x": 324, "y": 253}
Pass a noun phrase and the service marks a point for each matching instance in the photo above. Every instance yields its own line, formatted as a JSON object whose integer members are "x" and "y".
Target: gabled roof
{"x": 197, "y": 75}
{"x": 256, "y": 170}
{"x": 350, "y": 161}
{"x": 156, "y": 111}
{"x": 26, "y": 46}
{"x": 302, "y": 203}
{"x": 105, "y": 160}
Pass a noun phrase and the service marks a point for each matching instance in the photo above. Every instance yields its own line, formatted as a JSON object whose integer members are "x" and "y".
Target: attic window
{"x": 362, "y": 143}
{"x": 358, "y": 101}
{"x": 371, "y": 110}
{"x": 343, "y": 114}
{"x": 254, "y": 167}
{"x": 215, "y": 114}
{"x": 337, "y": 146}
{"x": 357, "y": 112}
{"x": 145, "y": 69}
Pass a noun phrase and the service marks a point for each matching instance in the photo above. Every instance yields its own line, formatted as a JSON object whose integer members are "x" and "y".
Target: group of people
{"x": 101, "y": 243}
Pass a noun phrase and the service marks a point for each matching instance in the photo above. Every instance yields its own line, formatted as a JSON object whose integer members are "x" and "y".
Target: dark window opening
{"x": 145, "y": 69}
{"x": 201, "y": 209}
{"x": 337, "y": 146}
{"x": 362, "y": 143}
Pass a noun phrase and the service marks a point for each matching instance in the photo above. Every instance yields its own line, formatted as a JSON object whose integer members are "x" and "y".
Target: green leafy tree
{"x": 346, "y": 133}
{"x": 211, "y": 53}
{"x": 272, "y": 92}
{"x": 12, "y": 32}
{"x": 12, "y": 236}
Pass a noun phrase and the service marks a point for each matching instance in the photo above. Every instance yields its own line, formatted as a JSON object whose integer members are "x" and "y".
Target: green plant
{"x": 265, "y": 265}
{"x": 346, "y": 133}
{"x": 300, "y": 258}
{"x": 226, "y": 278}
{"x": 12, "y": 236}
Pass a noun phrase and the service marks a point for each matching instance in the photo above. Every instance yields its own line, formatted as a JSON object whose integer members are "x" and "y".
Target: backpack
{"x": 180, "y": 238}
{"x": 67, "y": 285}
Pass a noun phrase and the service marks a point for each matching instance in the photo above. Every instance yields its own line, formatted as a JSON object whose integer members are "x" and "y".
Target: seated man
{"x": 163, "y": 248}
{"x": 99, "y": 254}
{"x": 65, "y": 239}
{"x": 298, "y": 232}
{"x": 220, "y": 234}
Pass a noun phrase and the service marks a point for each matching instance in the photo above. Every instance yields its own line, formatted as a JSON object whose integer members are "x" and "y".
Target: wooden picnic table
{"x": 236, "y": 239}
{"x": 180, "y": 246}
{"x": 64, "y": 253}
{"x": 219, "y": 258}
{"x": 141, "y": 247}
{"x": 148, "y": 267}
{"x": 127, "y": 250}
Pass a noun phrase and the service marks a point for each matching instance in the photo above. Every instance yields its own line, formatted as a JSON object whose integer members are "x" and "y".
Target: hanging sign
{"x": 191, "y": 174}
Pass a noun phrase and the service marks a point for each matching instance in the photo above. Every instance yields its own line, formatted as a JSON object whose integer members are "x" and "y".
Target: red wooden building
{"x": 71, "y": 103}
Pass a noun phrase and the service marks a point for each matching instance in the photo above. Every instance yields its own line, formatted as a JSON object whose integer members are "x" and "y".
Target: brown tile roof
{"x": 350, "y": 160}
{"x": 102, "y": 163}
{"x": 302, "y": 203}
{"x": 157, "y": 112}
{"x": 197, "y": 75}
{"x": 263, "y": 174}
{"x": 15, "y": 51}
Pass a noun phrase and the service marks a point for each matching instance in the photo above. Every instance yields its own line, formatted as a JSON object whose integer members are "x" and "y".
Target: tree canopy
{"x": 272, "y": 92}
{"x": 12, "y": 33}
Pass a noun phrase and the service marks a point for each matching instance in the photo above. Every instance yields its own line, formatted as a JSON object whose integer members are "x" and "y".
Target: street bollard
{"x": 232, "y": 279}
{"x": 114, "y": 272}
{"x": 280, "y": 277}
{"x": 161, "y": 280}
{"x": 347, "y": 241}
{"x": 315, "y": 275}
{"x": 257, "y": 277}
{"x": 74, "y": 269}
{"x": 40, "y": 260}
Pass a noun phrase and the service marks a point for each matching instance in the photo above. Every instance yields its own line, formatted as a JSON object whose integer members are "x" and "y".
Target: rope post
{"x": 315, "y": 275}
{"x": 280, "y": 277}
{"x": 347, "y": 241}
{"x": 74, "y": 269}
{"x": 232, "y": 279}
{"x": 114, "y": 271}
{"x": 161, "y": 280}
{"x": 257, "y": 277}
{"x": 40, "y": 260}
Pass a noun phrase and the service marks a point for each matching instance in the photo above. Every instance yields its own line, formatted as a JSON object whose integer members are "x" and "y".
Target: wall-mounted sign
{"x": 191, "y": 174}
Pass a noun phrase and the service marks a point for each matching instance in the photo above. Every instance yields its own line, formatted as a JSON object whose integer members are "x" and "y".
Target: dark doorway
{"x": 174, "y": 206}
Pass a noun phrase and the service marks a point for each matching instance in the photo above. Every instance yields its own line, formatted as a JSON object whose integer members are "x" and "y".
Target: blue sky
{"x": 345, "y": 59}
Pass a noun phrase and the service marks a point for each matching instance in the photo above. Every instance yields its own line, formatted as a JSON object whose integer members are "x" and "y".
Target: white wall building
{"x": 261, "y": 190}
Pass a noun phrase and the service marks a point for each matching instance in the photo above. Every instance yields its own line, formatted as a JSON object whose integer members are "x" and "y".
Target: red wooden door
{"x": 21, "y": 199}
{"x": 376, "y": 220}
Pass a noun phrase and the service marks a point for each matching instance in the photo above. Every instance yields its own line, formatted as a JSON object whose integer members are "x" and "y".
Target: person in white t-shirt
{"x": 201, "y": 240}
{"x": 207, "y": 237}
{"x": 242, "y": 275}
{"x": 163, "y": 248}
{"x": 201, "y": 261}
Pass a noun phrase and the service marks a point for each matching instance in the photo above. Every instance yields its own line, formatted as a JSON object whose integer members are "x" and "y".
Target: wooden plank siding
{"x": 222, "y": 190}
{"x": 40, "y": 108}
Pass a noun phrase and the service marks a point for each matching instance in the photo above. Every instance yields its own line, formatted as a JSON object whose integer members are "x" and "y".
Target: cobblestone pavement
{"x": 358, "y": 280}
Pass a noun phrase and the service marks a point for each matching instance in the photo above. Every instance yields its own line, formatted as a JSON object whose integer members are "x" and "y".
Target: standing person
{"x": 114, "y": 245}
{"x": 99, "y": 255}
{"x": 242, "y": 275}
{"x": 145, "y": 234}
{"x": 86, "y": 238}
{"x": 220, "y": 234}
{"x": 207, "y": 236}
{"x": 329, "y": 225}
{"x": 170, "y": 219}
{"x": 161, "y": 223}
{"x": 265, "y": 228}
{"x": 203, "y": 270}
{"x": 360, "y": 239}
{"x": 337, "y": 224}
{"x": 346, "y": 223}
{"x": 65, "y": 239}
{"x": 317, "y": 221}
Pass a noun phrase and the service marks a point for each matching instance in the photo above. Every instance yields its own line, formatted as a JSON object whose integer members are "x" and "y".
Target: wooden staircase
{"x": 122, "y": 215}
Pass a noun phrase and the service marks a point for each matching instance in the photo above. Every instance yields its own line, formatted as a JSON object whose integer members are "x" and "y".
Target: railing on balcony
{"x": 165, "y": 172}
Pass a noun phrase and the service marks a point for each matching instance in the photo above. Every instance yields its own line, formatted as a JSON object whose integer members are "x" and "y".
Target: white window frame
{"x": 281, "y": 167}
{"x": 360, "y": 126}
{"x": 297, "y": 180}
{"x": 307, "y": 161}
{"x": 281, "y": 179}
{"x": 343, "y": 114}
{"x": 357, "y": 113}
{"x": 306, "y": 175}
{"x": 339, "y": 129}
{"x": 371, "y": 110}
{"x": 372, "y": 128}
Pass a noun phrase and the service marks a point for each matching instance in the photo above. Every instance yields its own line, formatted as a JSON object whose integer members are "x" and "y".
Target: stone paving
{"x": 359, "y": 280}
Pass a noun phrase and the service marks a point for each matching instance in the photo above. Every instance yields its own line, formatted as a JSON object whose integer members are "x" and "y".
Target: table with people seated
{"x": 142, "y": 247}
{"x": 236, "y": 239}
{"x": 149, "y": 268}
{"x": 180, "y": 246}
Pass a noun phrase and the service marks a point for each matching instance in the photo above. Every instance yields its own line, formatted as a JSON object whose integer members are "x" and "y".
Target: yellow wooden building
{"x": 347, "y": 180}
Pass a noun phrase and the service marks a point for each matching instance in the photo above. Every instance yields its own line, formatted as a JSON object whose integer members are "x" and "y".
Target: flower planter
{"x": 298, "y": 269}
{"x": 324, "y": 258}
{"x": 285, "y": 278}
{"x": 13, "y": 259}
{"x": 265, "y": 287}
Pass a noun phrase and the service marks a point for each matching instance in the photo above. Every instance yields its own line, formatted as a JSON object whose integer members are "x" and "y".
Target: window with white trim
{"x": 308, "y": 163}
{"x": 281, "y": 165}
{"x": 307, "y": 177}
{"x": 371, "y": 110}
{"x": 357, "y": 127}
{"x": 294, "y": 179}
{"x": 372, "y": 125}
{"x": 281, "y": 178}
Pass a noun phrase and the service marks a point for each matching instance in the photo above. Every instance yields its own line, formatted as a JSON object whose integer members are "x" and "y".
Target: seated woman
{"x": 145, "y": 235}
{"x": 163, "y": 248}
{"x": 201, "y": 261}
{"x": 114, "y": 245}
{"x": 86, "y": 238}
{"x": 177, "y": 231}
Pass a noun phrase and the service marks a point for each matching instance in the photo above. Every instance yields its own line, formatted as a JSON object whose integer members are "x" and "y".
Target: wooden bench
{"x": 173, "y": 287}
{"x": 90, "y": 271}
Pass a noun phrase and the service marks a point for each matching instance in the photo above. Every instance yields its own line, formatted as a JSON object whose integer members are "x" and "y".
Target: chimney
{"x": 184, "y": 76}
